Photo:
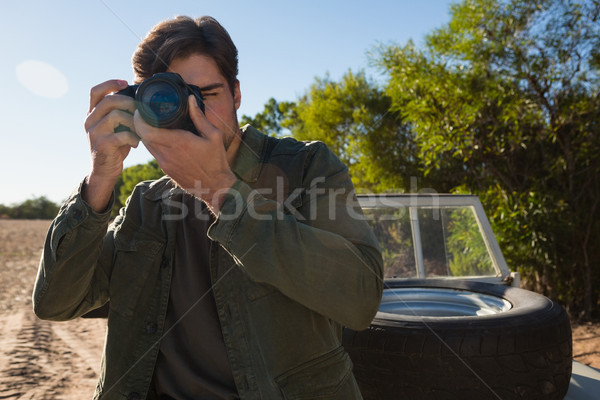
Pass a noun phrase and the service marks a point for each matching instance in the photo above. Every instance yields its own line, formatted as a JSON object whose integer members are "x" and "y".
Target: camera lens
{"x": 161, "y": 102}
{"x": 162, "y": 99}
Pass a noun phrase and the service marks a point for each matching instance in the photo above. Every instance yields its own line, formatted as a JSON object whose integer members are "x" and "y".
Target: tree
{"x": 130, "y": 177}
{"x": 506, "y": 98}
{"x": 353, "y": 118}
{"x": 5, "y": 211}
{"x": 269, "y": 120}
{"x": 35, "y": 208}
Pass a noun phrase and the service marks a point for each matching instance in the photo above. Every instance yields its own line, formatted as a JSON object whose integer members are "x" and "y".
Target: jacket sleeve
{"x": 315, "y": 247}
{"x": 72, "y": 278}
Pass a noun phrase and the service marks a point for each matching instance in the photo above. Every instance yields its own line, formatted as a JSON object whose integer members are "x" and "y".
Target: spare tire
{"x": 451, "y": 339}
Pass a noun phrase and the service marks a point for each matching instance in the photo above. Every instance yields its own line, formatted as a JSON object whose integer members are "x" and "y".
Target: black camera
{"x": 162, "y": 101}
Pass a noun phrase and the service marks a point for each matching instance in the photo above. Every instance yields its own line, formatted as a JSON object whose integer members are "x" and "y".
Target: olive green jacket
{"x": 292, "y": 261}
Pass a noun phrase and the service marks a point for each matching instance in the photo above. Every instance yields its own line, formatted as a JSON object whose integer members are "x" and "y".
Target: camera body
{"x": 162, "y": 100}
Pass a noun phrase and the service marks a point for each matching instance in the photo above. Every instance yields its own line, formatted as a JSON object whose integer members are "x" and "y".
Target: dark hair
{"x": 181, "y": 37}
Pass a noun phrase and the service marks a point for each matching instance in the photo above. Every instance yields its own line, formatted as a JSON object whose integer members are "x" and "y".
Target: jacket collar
{"x": 247, "y": 165}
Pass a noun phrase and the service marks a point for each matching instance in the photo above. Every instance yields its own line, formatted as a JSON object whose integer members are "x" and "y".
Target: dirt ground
{"x": 40, "y": 359}
{"x": 60, "y": 360}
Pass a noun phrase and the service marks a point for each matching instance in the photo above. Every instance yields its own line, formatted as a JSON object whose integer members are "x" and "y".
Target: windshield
{"x": 425, "y": 241}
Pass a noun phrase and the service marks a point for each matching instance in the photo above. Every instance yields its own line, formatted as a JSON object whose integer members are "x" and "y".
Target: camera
{"x": 162, "y": 101}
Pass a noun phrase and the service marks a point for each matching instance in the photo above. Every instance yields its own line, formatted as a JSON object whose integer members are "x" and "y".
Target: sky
{"x": 53, "y": 52}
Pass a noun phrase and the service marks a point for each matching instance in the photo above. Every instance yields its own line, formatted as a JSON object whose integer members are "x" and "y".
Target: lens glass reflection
{"x": 162, "y": 99}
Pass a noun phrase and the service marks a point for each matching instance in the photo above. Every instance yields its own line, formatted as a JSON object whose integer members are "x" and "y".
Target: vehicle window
{"x": 452, "y": 243}
{"x": 430, "y": 242}
{"x": 393, "y": 230}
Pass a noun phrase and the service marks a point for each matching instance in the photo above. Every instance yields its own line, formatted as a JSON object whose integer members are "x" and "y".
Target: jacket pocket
{"x": 134, "y": 262}
{"x": 326, "y": 377}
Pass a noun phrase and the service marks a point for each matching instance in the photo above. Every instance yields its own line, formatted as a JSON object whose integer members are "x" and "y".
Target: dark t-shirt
{"x": 192, "y": 361}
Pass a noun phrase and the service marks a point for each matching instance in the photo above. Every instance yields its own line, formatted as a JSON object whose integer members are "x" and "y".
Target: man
{"x": 232, "y": 276}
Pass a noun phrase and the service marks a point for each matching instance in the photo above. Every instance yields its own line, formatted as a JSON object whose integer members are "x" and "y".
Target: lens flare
{"x": 42, "y": 79}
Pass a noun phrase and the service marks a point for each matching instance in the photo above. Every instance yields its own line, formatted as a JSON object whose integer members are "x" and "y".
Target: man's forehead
{"x": 199, "y": 70}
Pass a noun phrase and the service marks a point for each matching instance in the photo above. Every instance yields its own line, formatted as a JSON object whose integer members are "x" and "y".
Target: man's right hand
{"x": 108, "y": 148}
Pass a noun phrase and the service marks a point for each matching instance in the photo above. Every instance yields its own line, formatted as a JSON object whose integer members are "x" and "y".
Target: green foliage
{"x": 5, "y": 211}
{"x": 468, "y": 255}
{"x": 506, "y": 98}
{"x": 536, "y": 234}
{"x": 130, "y": 177}
{"x": 35, "y": 208}
{"x": 393, "y": 231}
{"x": 269, "y": 120}
{"x": 353, "y": 118}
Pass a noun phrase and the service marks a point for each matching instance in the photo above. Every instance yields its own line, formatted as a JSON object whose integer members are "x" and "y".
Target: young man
{"x": 232, "y": 276}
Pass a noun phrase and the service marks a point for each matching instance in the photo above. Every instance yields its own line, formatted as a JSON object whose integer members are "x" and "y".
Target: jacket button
{"x": 164, "y": 263}
{"x": 151, "y": 328}
{"x": 133, "y": 396}
{"x": 77, "y": 214}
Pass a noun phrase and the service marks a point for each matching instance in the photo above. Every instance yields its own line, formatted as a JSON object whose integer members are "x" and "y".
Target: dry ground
{"x": 40, "y": 359}
{"x": 60, "y": 360}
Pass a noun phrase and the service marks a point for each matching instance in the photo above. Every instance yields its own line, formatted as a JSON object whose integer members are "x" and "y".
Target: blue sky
{"x": 53, "y": 52}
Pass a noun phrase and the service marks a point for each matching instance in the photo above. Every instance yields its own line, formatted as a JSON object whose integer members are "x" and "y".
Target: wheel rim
{"x": 440, "y": 302}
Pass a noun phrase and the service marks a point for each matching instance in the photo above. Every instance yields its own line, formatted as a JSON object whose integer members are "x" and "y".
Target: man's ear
{"x": 237, "y": 94}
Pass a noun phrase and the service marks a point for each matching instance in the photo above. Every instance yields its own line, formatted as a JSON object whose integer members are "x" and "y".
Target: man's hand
{"x": 108, "y": 149}
{"x": 198, "y": 164}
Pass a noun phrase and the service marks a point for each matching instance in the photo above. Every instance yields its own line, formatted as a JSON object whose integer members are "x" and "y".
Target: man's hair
{"x": 181, "y": 37}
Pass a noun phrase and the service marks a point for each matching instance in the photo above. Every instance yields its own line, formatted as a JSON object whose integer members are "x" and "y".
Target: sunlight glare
{"x": 42, "y": 79}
